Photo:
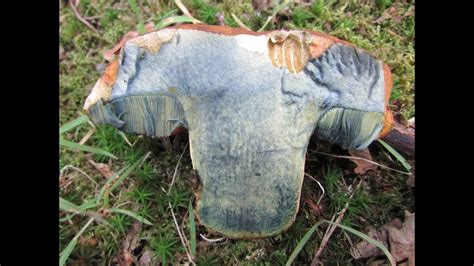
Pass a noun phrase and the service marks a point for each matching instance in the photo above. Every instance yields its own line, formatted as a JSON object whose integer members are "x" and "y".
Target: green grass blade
{"x": 276, "y": 10}
{"x": 70, "y": 247}
{"x": 76, "y": 146}
{"x": 74, "y": 123}
{"x": 396, "y": 154}
{"x": 240, "y": 22}
{"x": 169, "y": 13}
{"x": 67, "y": 218}
{"x": 107, "y": 184}
{"x": 141, "y": 28}
{"x": 280, "y": 7}
{"x": 368, "y": 239}
{"x": 131, "y": 214}
{"x": 68, "y": 206}
{"x": 192, "y": 229}
{"x": 172, "y": 20}
{"x": 302, "y": 242}
{"x": 128, "y": 172}
{"x": 88, "y": 204}
{"x": 133, "y": 6}
{"x": 67, "y": 251}
{"x": 106, "y": 198}
{"x": 124, "y": 137}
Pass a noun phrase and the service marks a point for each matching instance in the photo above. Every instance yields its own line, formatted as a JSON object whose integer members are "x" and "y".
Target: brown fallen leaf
{"x": 145, "y": 259}
{"x": 103, "y": 168}
{"x": 400, "y": 237}
{"x": 126, "y": 257}
{"x": 364, "y": 249}
{"x": 402, "y": 240}
{"x": 110, "y": 54}
{"x": 362, "y": 165}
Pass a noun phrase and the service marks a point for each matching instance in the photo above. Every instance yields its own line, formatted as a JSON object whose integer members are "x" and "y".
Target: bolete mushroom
{"x": 250, "y": 102}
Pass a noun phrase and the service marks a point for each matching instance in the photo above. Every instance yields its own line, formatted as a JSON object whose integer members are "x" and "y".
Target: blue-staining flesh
{"x": 249, "y": 122}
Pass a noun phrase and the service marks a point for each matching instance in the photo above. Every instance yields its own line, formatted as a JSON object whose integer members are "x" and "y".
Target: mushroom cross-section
{"x": 250, "y": 102}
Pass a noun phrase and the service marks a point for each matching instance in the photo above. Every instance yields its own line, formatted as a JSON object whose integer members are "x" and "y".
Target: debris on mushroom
{"x": 250, "y": 102}
{"x": 290, "y": 49}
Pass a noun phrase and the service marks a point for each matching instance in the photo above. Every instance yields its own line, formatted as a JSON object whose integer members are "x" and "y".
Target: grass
{"x": 383, "y": 27}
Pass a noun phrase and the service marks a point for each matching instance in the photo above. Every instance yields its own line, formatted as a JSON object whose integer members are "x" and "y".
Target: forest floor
{"x": 383, "y": 27}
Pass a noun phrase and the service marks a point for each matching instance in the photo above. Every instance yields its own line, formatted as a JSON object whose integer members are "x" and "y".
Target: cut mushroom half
{"x": 250, "y": 102}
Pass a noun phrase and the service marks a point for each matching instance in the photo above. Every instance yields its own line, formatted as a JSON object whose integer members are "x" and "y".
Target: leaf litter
{"x": 400, "y": 237}
{"x": 362, "y": 165}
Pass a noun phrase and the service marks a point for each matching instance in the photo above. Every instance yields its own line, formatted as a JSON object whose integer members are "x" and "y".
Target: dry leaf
{"x": 126, "y": 257}
{"x": 145, "y": 259}
{"x": 400, "y": 237}
{"x": 402, "y": 240}
{"x": 103, "y": 168}
{"x": 364, "y": 249}
{"x": 362, "y": 165}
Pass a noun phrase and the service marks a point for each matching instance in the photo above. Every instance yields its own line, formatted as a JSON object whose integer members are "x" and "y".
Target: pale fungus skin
{"x": 250, "y": 104}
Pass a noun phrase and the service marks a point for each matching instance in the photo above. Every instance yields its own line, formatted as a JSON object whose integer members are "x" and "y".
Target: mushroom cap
{"x": 250, "y": 102}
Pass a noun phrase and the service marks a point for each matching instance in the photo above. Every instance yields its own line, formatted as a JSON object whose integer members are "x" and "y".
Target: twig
{"x": 90, "y": 123}
{"x": 186, "y": 12}
{"x": 176, "y": 169}
{"x": 164, "y": 190}
{"x": 181, "y": 237}
{"x": 136, "y": 140}
{"x": 87, "y": 136}
{"x": 124, "y": 137}
{"x": 265, "y": 24}
{"x": 144, "y": 159}
{"x": 182, "y": 226}
{"x": 314, "y": 179}
{"x": 212, "y": 240}
{"x": 331, "y": 228}
{"x": 348, "y": 239}
{"x": 359, "y": 158}
{"x": 79, "y": 170}
{"x": 80, "y": 18}
{"x": 93, "y": 17}
{"x": 241, "y": 24}
{"x": 276, "y": 10}
{"x": 123, "y": 203}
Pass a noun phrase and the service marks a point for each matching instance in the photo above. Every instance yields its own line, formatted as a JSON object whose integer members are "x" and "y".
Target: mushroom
{"x": 250, "y": 102}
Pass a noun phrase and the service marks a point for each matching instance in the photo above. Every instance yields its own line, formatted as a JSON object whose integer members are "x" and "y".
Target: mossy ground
{"x": 385, "y": 28}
